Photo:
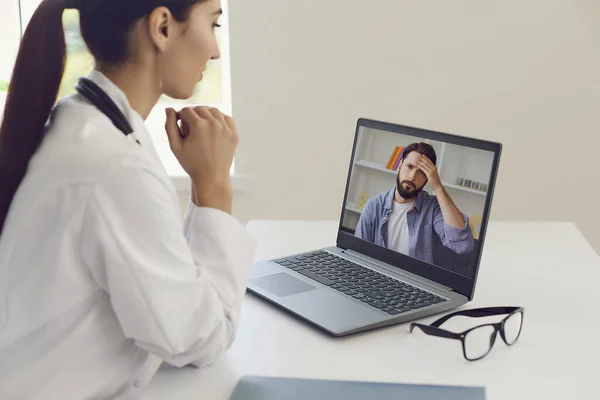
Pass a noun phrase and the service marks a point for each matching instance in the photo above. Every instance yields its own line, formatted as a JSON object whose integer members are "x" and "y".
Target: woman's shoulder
{"x": 82, "y": 145}
{"x": 78, "y": 121}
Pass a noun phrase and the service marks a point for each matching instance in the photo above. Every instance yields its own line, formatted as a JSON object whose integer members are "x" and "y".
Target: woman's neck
{"x": 141, "y": 86}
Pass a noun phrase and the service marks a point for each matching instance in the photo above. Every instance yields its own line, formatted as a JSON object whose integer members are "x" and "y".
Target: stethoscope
{"x": 100, "y": 99}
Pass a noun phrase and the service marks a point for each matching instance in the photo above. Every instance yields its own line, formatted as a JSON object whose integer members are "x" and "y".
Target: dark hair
{"x": 422, "y": 148}
{"x": 39, "y": 67}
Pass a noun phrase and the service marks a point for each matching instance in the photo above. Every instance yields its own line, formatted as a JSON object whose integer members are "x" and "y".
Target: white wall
{"x": 526, "y": 73}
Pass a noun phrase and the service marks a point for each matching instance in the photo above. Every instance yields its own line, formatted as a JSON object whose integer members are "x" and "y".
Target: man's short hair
{"x": 422, "y": 148}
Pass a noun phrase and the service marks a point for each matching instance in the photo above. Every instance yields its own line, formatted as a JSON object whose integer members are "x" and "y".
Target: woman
{"x": 96, "y": 272}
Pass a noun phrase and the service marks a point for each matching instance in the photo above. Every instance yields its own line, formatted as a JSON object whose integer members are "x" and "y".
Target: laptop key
{"x": 316, "y": 277}
{"x": 386, "y": 293}
{"x": 394, "y": 312}
{"x": 374, "y": 295}
{"x": 379, "y": 305}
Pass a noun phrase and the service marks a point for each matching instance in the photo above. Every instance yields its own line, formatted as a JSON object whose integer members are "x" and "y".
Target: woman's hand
{"x": 204, "y": 146}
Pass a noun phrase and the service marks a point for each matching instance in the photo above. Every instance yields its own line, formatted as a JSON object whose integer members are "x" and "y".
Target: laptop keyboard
{"x": 371, "y": 287}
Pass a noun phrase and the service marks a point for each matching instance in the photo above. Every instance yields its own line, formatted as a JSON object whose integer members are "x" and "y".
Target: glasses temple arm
{"x": 477, "y": 313}
{"x": 435, "y": 331}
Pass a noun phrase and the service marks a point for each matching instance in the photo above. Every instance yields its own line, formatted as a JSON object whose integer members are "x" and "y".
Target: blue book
{"x": 271, "y": 388}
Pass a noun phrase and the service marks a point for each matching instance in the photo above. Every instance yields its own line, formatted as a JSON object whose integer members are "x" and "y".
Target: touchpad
{"x": 282, "y": 284}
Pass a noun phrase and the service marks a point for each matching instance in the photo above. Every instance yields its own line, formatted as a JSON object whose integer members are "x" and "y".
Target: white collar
{"x": 117, "y": 95}
{"x": 120, "y": 99}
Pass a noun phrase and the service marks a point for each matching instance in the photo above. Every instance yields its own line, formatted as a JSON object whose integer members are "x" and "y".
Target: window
{"x": 9, "y": 45}
{"x": 214, "y": 89}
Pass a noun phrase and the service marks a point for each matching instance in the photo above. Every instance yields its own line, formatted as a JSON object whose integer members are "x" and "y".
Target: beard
{"x": 406, "y": 189}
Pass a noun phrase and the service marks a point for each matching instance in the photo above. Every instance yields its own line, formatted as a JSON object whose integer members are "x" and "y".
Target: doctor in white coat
{"x": 98, "y": 271}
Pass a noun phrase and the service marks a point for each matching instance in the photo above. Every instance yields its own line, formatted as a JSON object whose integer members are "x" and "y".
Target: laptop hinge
{"x": 397, "y": 270}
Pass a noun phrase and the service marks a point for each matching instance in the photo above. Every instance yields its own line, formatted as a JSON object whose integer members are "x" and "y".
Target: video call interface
{"x": 419, "y": 197}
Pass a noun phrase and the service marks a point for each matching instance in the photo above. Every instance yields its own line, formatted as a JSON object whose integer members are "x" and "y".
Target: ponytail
{"x": 105, "y": 27}
{"x": 32, "y": 93}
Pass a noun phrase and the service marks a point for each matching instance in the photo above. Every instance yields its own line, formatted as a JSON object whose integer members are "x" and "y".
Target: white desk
{"x": 548, "y": 268}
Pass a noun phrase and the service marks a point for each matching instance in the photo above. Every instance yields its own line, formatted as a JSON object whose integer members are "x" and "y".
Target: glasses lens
{"x": 479, "y": 341}
{"x": 512, "y": 327}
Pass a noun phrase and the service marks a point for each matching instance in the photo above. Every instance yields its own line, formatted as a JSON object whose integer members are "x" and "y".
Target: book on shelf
{"x": 391, "y": 159}
{"x": 364, "y": 196}
{"x": 397, "y": 161}
{"x": 394, "y": 160}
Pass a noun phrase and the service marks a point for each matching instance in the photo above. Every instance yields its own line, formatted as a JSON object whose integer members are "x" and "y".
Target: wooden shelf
{"x": 375, "y": 166}
{"x": 465, "y": 189}
{"x": 353, "y": 208}
{"x": 379, "y": 167}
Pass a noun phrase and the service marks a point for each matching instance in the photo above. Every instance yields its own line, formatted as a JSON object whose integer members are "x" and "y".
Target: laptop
{"x": 277, "y": 388}
{"x": 409, "y": 240}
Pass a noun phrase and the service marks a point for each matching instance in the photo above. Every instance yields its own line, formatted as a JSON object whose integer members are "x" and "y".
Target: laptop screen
{"x": 419, "y": 197}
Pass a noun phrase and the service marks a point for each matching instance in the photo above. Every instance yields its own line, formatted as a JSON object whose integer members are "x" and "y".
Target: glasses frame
{"x": 434, "y": 329}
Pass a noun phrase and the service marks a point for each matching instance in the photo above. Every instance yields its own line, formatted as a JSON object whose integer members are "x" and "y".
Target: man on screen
{"x": 406, "y": 217}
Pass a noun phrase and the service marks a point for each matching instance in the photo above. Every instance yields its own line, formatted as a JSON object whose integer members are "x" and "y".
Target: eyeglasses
{"x": 478, "y": 341}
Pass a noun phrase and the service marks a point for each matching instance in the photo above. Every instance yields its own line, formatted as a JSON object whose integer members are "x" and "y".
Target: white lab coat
{"x": 97, "y": 272}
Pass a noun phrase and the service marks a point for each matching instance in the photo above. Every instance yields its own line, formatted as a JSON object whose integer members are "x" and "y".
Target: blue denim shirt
{"x": 424, "y": 220}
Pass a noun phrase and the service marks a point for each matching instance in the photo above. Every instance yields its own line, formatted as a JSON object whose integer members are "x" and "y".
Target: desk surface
{"x": 548, "y": 268}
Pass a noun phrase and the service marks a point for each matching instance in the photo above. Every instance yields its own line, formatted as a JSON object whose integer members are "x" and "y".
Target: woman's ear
{"x": 160, "y": 23}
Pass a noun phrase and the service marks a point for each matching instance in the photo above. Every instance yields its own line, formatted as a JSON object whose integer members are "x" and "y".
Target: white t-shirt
{"x": 398, "y": 236}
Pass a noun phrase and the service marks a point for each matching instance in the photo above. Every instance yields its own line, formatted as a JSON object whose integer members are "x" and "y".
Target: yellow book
{"x": 390, "y": 161}
{"x": 363, "y": 200}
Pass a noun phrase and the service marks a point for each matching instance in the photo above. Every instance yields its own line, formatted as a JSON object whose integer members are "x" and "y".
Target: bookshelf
{"x": 464, "y": 172}
{"x": 465, "y": 189}
{"x": 353, "y": 207}
{"x": 375, "y": 166}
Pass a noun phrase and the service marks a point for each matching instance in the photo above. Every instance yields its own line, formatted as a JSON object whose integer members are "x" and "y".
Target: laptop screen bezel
{"x": 459, "y": 283}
